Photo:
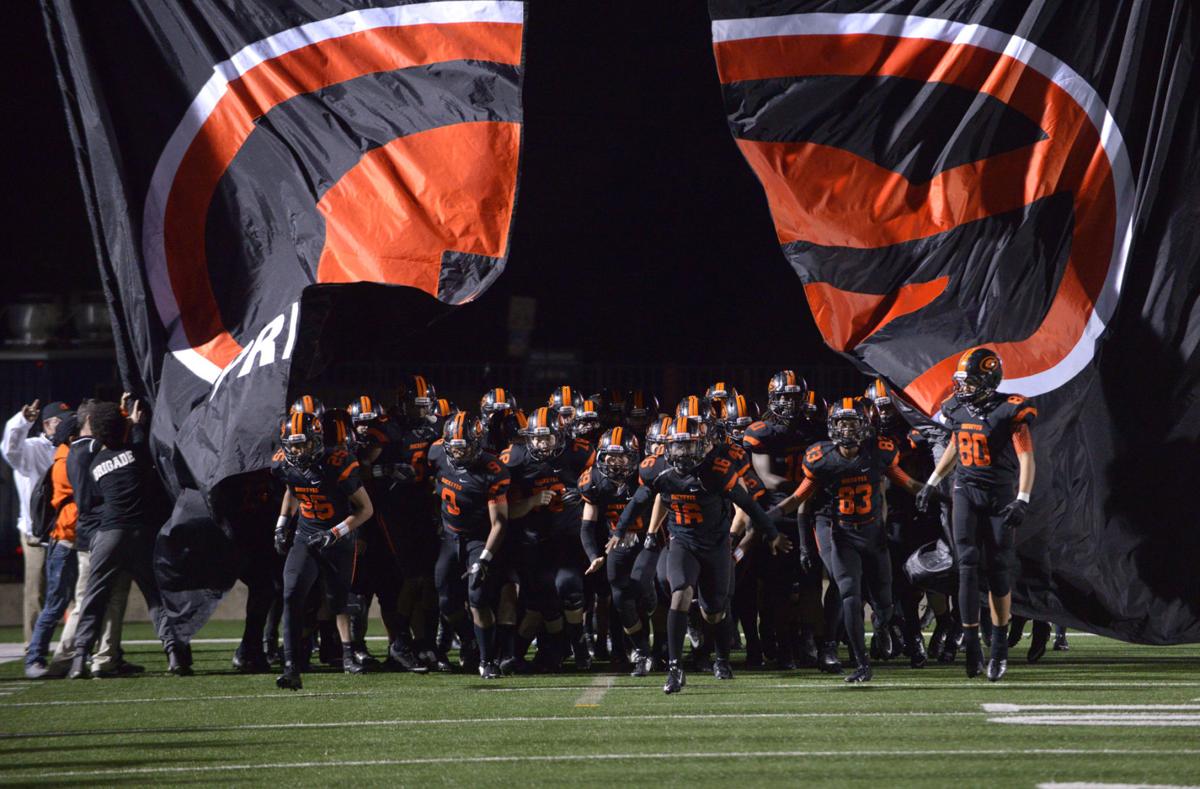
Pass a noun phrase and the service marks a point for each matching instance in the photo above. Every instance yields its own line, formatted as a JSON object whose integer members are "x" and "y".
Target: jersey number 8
{"x": 973, "y": 449}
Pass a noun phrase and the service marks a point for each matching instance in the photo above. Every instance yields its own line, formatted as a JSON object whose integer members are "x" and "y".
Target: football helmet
{"x": 307, "y": 404}
{"x": 364, "y": 410}
{"x": 338, "y": 427}
{"x": 656, "y": 435}
{"x": 612, "y": 408}
{"x": 495, "y": 401}
{"x": 849, "y": 421}
{"x": 977, "y": 376}
{"x": 688, "y": 441}
{"x": 694, "y": 407}
{"x": 544, "y": 433}
{"x": 567, "y": 401}
{"x": 416, "y": 397}
{"x": 720, "y": 391}
{"x": 586, "y": 424}
{"x": 617, "y": 453}
{"x": 813, "y": 407}
{"x": 462, "y": 438}
{"x": 785, "y": 393}
{"x": 641, "y": 408}
{"x": 878, "y": 395}
{"x": 740, "y": 413}
{"x": 303, "y": 438}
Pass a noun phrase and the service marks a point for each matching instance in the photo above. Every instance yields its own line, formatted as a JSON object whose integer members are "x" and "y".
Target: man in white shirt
{"x": 30, "y": 458}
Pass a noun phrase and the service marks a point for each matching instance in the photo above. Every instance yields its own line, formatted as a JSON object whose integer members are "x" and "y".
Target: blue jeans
{"x": 62, "y": 570}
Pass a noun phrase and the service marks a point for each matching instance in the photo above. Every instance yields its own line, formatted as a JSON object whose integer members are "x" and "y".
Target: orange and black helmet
{"x": 544, "y": 433}
{"x": 695, "y": 407}
{"x": 462, "y": 439}
{"x": 618, "y": 453}
{"x": 364, "y": 410}
{"x": 567, "y": 400}
{"x": 495, "y": 401}
{"x": 307, "y": 404}
{"x": 641, "y": 408}
{"x": 849, "y": 421}
{"x": 416, "y": 397}
{"x": 740, "y": 413}
{"x": 302, "y": 437}
{"x": 878, "y": 395}
{"x": 586, "y": 424}
{"x": 656, "y": 435}
{"x": 688, "y": 441}
{"x": 720, "y": 391}
{"x": 338, "y": 427}
{"x": 978, "y": 376}
{"x": 785, "y": 393}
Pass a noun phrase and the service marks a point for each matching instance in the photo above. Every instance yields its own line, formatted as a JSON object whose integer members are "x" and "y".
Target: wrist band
{"x": 341, "y": 530}
{"x": 281, "y": 524}
{"x": 485, "y": 555}
{"x": 1023, "y": 496}
{"x": 934, "y": 479}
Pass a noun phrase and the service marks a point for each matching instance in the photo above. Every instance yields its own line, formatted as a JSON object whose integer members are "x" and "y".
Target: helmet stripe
{"x": 616, "y": 437}
{"x": 422, "y": 388}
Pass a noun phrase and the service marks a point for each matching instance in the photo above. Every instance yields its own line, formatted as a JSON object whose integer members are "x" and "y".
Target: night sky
{"x": 639, "y": 229}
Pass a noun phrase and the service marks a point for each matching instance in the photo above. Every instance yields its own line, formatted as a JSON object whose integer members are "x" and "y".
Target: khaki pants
{"x": 109, "y": 651}
{"x": 35, "y": 583}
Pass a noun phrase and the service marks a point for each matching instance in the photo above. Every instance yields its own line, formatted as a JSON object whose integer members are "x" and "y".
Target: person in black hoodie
{"x": 124, "y": 539}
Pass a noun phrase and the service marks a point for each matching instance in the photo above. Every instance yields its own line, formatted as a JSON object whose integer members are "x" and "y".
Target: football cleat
{"x": 250, "y": 663}
{"x": 403, "y": 655}
{"x": 827, "y": 660}
{"x": 352, "y": 666}
{"x": 489, "y": 670}
{"x": 861, "y": 674}
{"x": 974, "y": 656}
{"x": 915, "y": 651}
{"x": 1016, "y": 629}
{"x": 881, "y": 642}
{"x": 440, "y": 662}
{"x": 468, "y": 656}
{"x": 289, "y": 679}
{"x": 721, "y": 669}
{"x": 937, "y": 641}
{"x": 179, "y": 660}
{"x": 1038, "y": 641}
{"x": 1060, "y": 642}
{"x": 583, "y": 658}
{"x": 643, "y": 664}
{"x": 676, "y": 679}
{"x": 996, "y": 669}
{"x": 515, "y": 665}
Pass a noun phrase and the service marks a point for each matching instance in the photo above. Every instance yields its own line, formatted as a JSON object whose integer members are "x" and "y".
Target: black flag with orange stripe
{"x": 245, "y": 160}
{"x": 1022, "y": 175}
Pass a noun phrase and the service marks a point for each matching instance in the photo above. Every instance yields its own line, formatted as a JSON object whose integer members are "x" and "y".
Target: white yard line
{"x": 834, "y": 684}
{"x": 1127, "y": 719}
{"x": 11, "y": 652}
{"x": 672, "y": 755}
{"x": 595, "y": 692}
{"x": 192, "y": 699}
{"x": 1092, "y": 785}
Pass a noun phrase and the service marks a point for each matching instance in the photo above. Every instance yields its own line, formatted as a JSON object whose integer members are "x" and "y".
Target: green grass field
{"x": 1103, "y": 712}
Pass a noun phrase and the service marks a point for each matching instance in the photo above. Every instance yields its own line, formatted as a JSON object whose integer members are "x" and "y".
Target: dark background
{"x": 639, "y": 229}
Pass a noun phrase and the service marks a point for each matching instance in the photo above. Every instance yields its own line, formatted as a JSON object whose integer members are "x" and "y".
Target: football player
{"x": 696, "y": 478}
{"x": 641, "y": 409}
{"x": 307, "y": 404}
{"x": 472, "y": 486}
{"x": 850, "y": 468}
{"x": 776, "y": 445}
{"x": 586, "y": 424}
{"x": 606, "y": 488}
{"x": 325, "y": 488}
{"x": 497, "y": 410}
{"x": 545, "y": 472}
{"x": 993, "y": 448}
{"x": 566, "y": 401}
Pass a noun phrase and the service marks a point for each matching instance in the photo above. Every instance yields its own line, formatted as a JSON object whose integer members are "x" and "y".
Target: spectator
{"x": 108, "y": 660}
{"x": 124, "y": 539}
{"x": 61, "y": 567}
{"x": 30, "y": 458}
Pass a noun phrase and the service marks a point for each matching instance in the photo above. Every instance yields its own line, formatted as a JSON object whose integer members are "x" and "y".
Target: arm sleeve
{"x": 642, "y": 499}
{"x": 899, "y": 476}
{"x": 588, "y": 536}
{"x": 808, "y": 537}
{"x": 1022, "y": 438}
{"x": 742, "y": 498}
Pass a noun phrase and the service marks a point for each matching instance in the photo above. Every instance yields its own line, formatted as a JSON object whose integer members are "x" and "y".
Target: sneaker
{"x": 121, "y": 669}
{"x": 676, "y": 679}
{"x": 79, "y": 668}
{"x": 643, "y": 664}
{"x": 179, "y": 660}
{"x": 36, "y": 670}
{"x": 721, "y": 669}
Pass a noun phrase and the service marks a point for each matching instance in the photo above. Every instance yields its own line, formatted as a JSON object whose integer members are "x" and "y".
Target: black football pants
{"x": 334, "y": 566}
{"x": 982, "y": 544}
{"x": 852, "y": 555}
{"x": 631, "y": 576}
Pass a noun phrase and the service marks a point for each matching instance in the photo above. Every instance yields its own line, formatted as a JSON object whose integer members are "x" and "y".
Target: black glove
{"x": 926, "y": 496}
{"x": 806, "y": 562}
{"x": 570, "y": 497}
{"x": 1014, "y": 513}
{"x": 322, "y": 540}
{"x": 651, "y": 542}
{"x": 281, "y": 538}
{"x": 402, "y": 472}
{"x": 479, "y": 572}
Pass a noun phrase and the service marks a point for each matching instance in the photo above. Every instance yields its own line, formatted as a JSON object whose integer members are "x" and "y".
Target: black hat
{"x": 57, "y": 408}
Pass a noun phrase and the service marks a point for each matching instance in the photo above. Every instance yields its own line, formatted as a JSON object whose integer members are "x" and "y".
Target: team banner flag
{"x": 944, "y": 175}
{"x": 236, "y": 153}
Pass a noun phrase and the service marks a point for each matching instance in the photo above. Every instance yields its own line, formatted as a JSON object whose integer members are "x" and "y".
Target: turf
{"x": 907, "y": 727}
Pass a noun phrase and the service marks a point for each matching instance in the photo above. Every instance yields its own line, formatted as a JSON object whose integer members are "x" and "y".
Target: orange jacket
{"x": 63, "y": 499}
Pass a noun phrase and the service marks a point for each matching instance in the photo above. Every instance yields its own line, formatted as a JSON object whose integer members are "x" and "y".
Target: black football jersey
{"x": 323, "y": 489}
{"x": 783, "y": 445}
{"x": 531, "y": 476}
{"x": 402, "y": 445}
{"x": 854, "y": 485}
{"x": 698, "y": 502}
{"x": 986, "y": 457}
{"x": 609, "y": 497}
{"x": 464, "y": 493}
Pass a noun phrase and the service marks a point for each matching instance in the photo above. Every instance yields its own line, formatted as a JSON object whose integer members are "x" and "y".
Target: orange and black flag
{"x": 947, "y": 175}
{"x": 243, "y": 162}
